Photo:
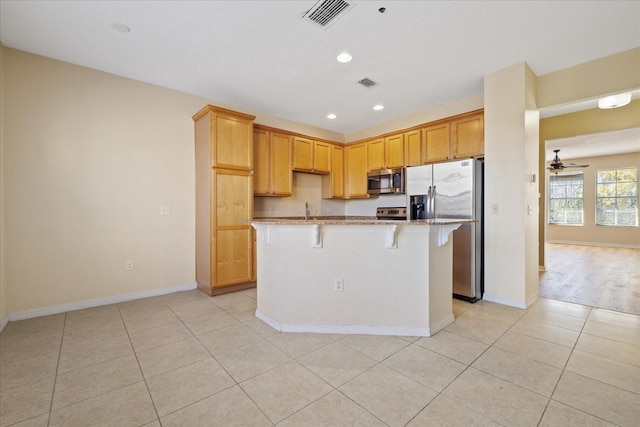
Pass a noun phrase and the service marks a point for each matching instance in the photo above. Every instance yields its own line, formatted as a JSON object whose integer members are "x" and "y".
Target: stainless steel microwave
{"x": 386, "y": 181}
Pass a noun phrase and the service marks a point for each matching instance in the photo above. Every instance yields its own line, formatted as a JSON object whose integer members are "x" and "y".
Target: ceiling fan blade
{"x": 573, "y": 165}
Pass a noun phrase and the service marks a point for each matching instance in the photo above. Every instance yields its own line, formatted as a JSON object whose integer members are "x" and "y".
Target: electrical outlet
{"x": 165, "y": 210}
{"x": 129, "y": 266}
{"x": 495, "y": 209}
{"x": 338, "y": 285}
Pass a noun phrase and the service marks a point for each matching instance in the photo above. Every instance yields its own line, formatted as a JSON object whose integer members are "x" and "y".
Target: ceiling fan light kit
{"x": 614, "y": 101}
{"x": 557, "y": 165}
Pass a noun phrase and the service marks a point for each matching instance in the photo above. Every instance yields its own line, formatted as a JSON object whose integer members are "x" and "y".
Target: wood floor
{"x": 593, "y": 275}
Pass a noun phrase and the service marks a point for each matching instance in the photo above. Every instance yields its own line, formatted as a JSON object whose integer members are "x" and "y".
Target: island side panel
{"x": 382, "y": 287}
{"x": 440, "y": 283}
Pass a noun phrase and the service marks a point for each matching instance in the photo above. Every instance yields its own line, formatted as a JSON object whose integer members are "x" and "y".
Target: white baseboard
{"x": 531, "y": 299}
{"x": 504, "y": 301}
{"x": 353, "y": 329}
{"x": 609, "y": 245}
{"x": 62, "y": 308}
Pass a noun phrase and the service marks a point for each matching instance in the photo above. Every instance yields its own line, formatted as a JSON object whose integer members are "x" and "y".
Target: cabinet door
{"x": 281, "y": 164}
{"x": 322, "y": 157}
{"x": 394, "y": 151}
{"x": 413, "y": 148}
{"x": 234, "y": 261}
{"x": 467, "y": 136}
{"x": 302, "y": 154}
{"x": 337, "y": 171}
{"x": 233, "y": 147}
{"x": 356, "y": 171}
{"x": 376, "y": 154}
{"x": 232, "y": 241}
{"x": 333, "y": 184}
{"x": 261, "y": 163}
{"x": 435, "y": 140}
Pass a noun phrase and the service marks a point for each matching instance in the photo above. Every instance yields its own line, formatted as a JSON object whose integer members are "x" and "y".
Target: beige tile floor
{"x": 189, "y": 360}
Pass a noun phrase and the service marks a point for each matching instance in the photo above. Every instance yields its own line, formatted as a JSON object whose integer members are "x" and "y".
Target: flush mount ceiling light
{"x": 120, "y": 27}
{"x": 378, "y": 107}
{"x": 614, "y": 101}
{"x": 344, "y": 57}
{"x": 331, "y": 116}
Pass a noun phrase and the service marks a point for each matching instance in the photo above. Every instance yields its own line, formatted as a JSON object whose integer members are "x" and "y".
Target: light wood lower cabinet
{"x": 224, "y": 200}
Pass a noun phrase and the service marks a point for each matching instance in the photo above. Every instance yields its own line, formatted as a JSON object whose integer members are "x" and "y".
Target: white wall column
{"x": 511, "y": 192}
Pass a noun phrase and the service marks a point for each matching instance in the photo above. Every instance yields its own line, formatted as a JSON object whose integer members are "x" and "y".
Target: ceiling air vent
{"x": 325, "y": 12}
{"x": 366, "y": 82}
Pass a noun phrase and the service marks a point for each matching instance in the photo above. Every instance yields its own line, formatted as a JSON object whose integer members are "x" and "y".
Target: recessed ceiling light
{"x": 378, "y": 107}
{"x": 614, "y": 101}
{"x": 331, "y": 116}
{"x": 344, "y": 57}
{"x": 120, "y": 27}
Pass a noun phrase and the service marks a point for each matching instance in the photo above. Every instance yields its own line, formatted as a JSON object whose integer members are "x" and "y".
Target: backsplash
{"x": 307, "y": 189}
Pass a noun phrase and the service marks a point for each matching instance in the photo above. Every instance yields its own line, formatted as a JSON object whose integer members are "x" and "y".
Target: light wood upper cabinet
{"x": 281, "y": 164}
{"x": 321, "y": 157}
{"x": 356, "y": 171}
{"x": 311, "y": 156}
{"x": 385, "y": 153}
{"x": 413, "y": 148}
{"x": 458, "y": 138}
{"x": 467, "y": 136}
{"x": 436, "y": 143}
{"x": 333, "y": 184}
{"x": 375, "y": 153}
{"x": 234, "y": 147}
{"x": 224, "y": 199}
{"x": 261, "y": 162}
{"x": 394, "y": 151}
{"x": 272, "y": 163}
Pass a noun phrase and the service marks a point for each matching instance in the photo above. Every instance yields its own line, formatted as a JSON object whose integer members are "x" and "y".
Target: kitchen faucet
{"x": 306, "y": 211}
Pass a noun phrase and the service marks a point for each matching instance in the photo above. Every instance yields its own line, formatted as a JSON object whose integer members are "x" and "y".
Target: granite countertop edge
{"x": 353, "y": 220}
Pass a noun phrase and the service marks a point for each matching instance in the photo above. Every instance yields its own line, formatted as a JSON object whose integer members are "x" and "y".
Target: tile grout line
{"x": 55, "y": 379}
{"x": 139, "y": 367}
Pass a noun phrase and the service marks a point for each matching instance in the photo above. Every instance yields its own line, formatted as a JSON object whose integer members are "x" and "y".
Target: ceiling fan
{"x": 557, "y": 165}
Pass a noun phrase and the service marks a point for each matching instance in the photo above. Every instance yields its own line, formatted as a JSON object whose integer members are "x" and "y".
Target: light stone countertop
{"x": 353, "y": 220}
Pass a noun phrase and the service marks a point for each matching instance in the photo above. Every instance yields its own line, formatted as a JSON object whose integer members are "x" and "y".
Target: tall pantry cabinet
{"x": 224, "y": 200}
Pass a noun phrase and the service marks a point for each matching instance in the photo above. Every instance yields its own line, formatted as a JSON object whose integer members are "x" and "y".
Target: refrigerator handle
{"x": 433, "y": 202}
{"x": 427, "y": 207}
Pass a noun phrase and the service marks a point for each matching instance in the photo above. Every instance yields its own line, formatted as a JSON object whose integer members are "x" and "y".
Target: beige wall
{"x": 88, "y": 158}
{"x": 589, "y": 233}
{"x": 460, "y": 106}
{"x": 594, "y": 79}
{"x": 3, "y": 298}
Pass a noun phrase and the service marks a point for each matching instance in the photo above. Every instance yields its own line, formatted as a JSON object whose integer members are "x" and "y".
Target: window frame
{"x": 550, "y": 199}
{"x": 616, "y": 197}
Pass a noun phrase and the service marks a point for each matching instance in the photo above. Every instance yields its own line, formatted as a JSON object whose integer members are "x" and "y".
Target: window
{"x": 565, "y": 198}
{"x": 617, "y": 197}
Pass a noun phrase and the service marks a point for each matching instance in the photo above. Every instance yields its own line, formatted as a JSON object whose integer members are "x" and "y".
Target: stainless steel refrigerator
{"x": 453, "y": 190}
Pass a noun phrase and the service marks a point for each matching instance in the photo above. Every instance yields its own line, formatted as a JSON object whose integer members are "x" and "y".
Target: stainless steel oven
{"x": 387, "y": 214}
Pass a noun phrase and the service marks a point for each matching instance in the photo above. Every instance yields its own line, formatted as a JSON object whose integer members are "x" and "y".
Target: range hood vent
{"x": 325, "y": 12}
{"x": 367, "y": 82}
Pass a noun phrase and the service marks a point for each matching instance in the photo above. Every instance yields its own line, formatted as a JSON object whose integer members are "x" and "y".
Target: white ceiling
{"x": 262, "y": 56}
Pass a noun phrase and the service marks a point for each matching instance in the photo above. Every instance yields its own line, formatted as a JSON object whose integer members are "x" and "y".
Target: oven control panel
{"x": 392, "y": 213}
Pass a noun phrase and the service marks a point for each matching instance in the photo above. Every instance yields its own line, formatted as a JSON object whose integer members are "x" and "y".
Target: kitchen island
{"x": 355, "y": 275}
